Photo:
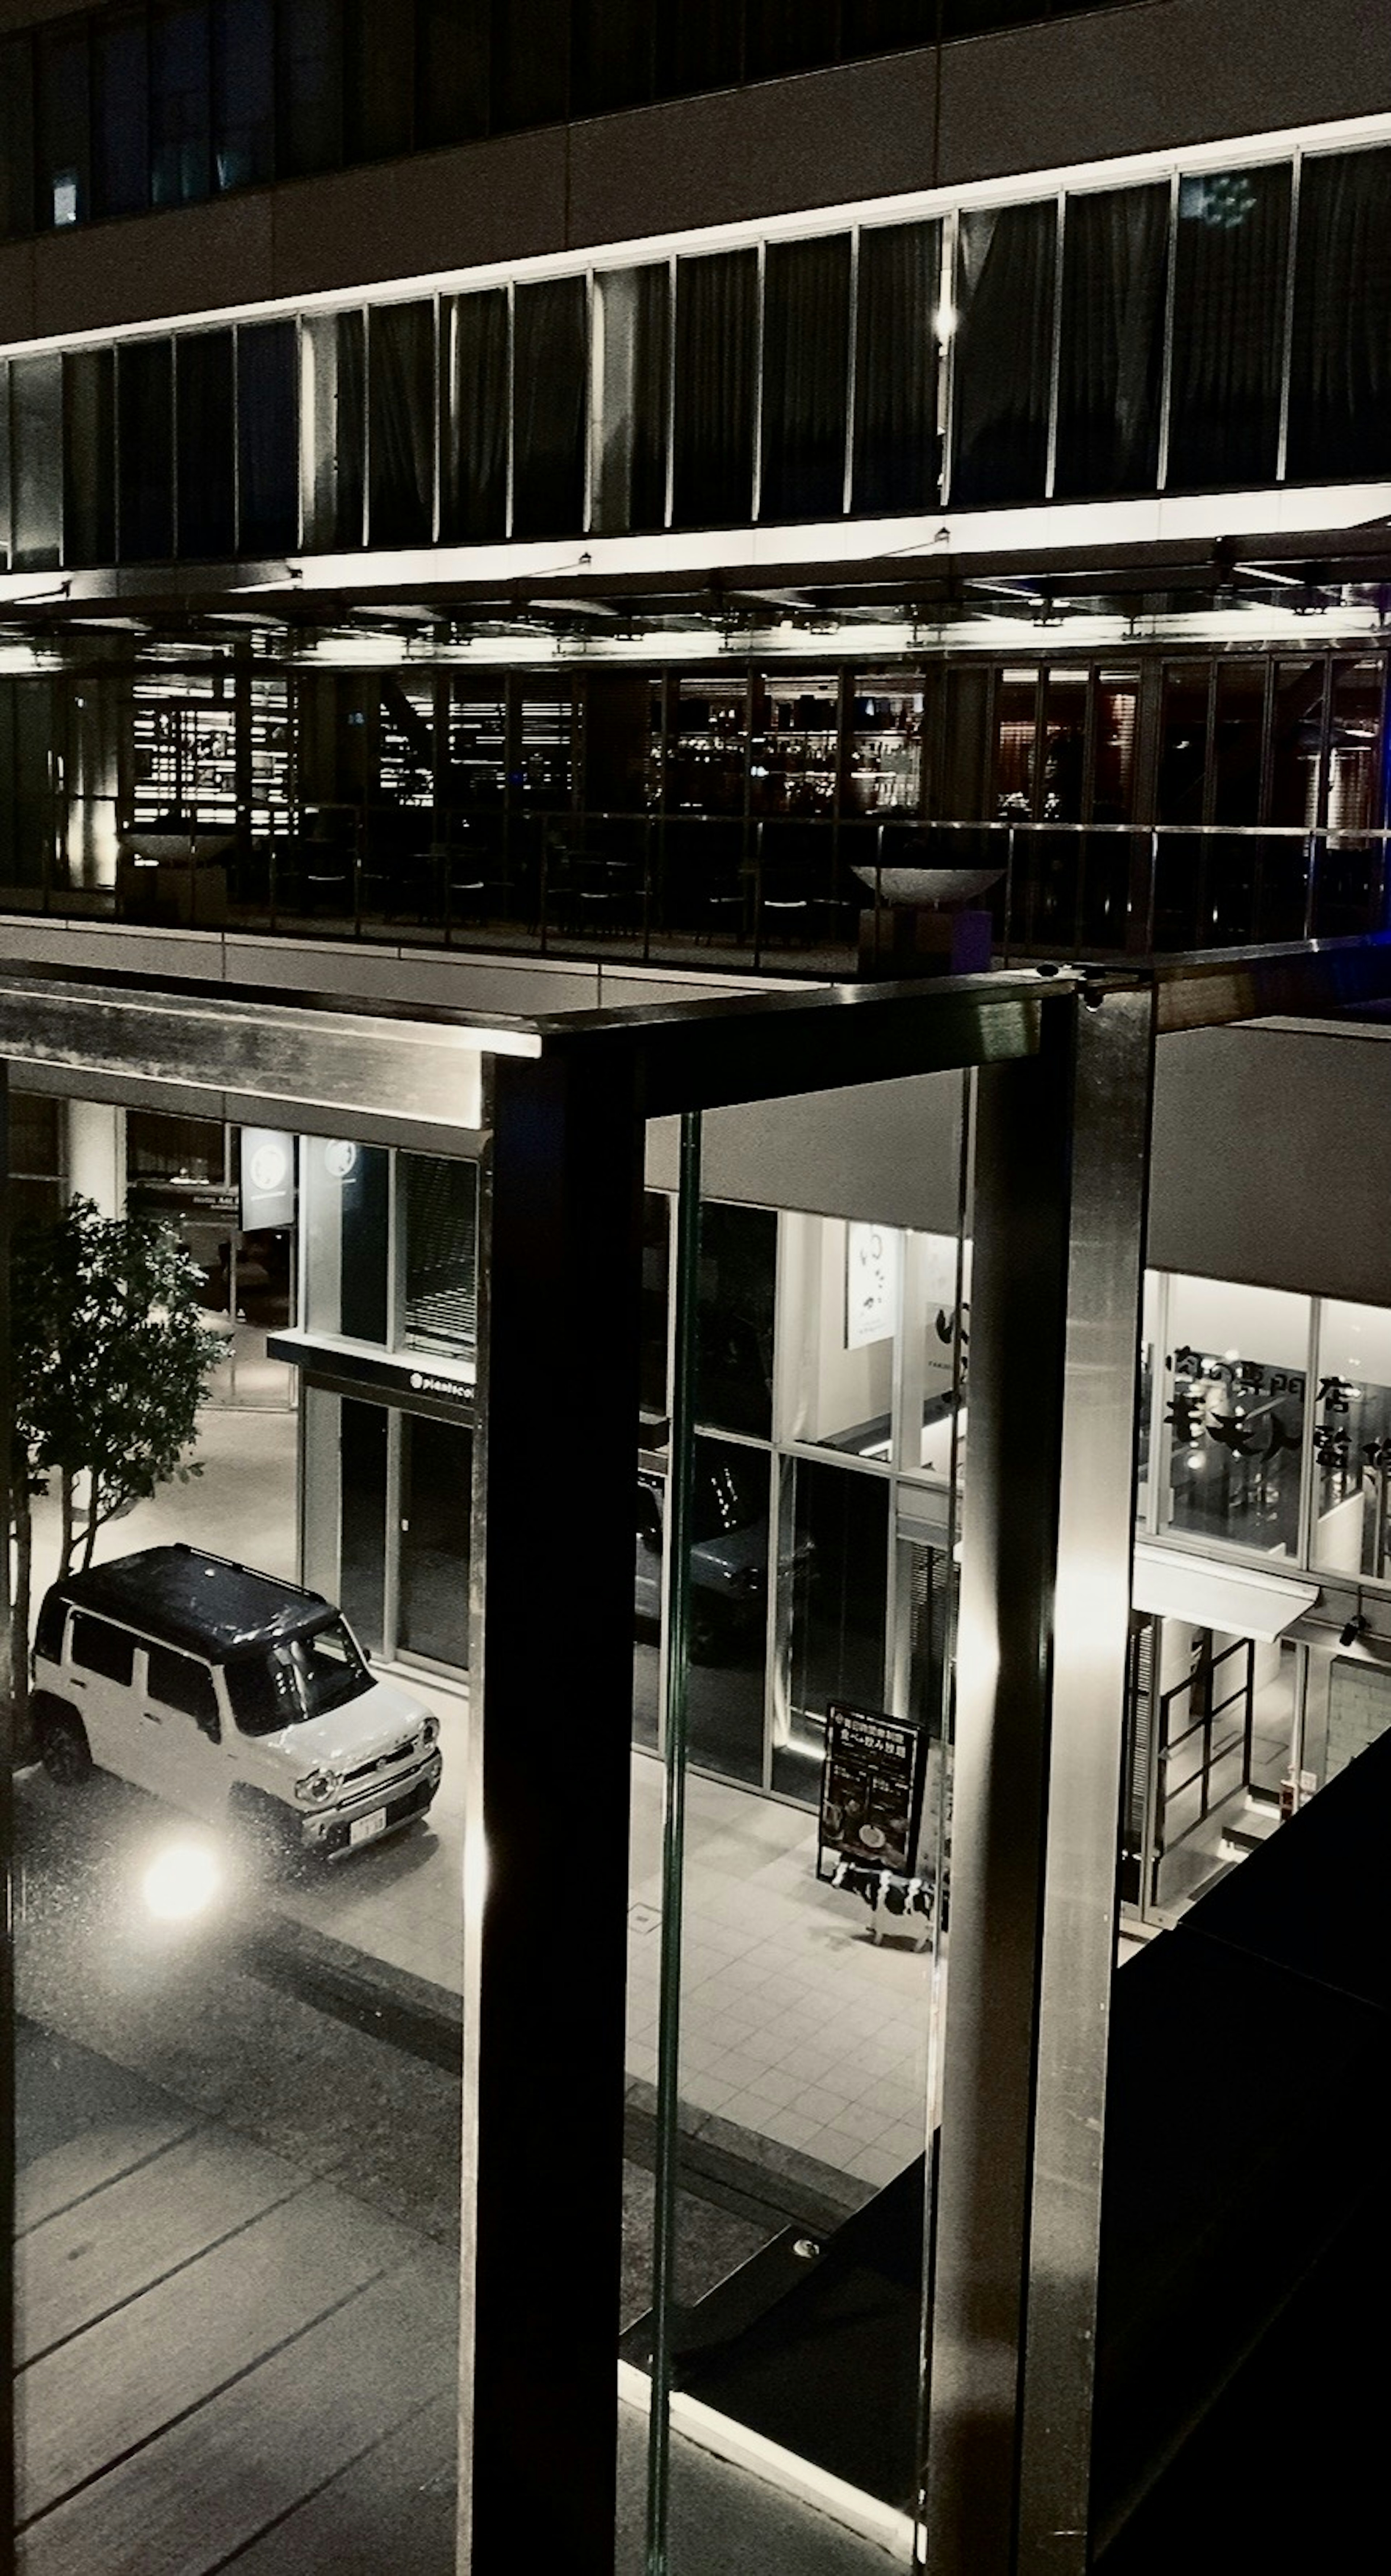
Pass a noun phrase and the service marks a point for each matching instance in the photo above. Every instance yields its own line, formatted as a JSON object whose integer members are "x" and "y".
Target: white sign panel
{"x": 873, "y": 1272}
{"x": 267, "y": 1179}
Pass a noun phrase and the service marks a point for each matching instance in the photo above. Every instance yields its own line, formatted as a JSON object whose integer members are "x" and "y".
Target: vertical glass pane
{"x": 439, "y": 1227}
{"x": 436, "y": 1473}
{"x": 362, "y": 1544}
{"x": 243, "y": 122}
{"x": 451, "y": 41}
{"x": 473, "y": 429}
{"x": 788, "y": 36}
{"x": 1112, "y": 355}
{"x": 549, "y": 404}
{"x": 1340, "y": 363}
{"x": 631, "y": 372}
{"x": 842, "y": 1293}
{"x": 206, "y": 421}
{"x": 333, "y": 398}
{"x": 738, "y": 1257}
{"x": 611, "y": 62}
{"x": 345, "y": 1216}
{"x": 36, "y": 461}
{"x": 1229, "y": 308}
{"x": 378, "y": 80}
{"x": 656, "y": 1279}
{"x": 120, "y": 115}
{"x": 1113, "y": 756}
{"x": 530, "y": 64}
{"x": 880, "y": 26}
{"x": 806, "y": 321}
{"x": 1234, "y": 1394}
{"x": 700, "y": 45}
{"x": 309, "y": 87}
{"x": 897, "y": 451}
{"x": 729, "y": 1607}
{"x": 837, "y": 1577}
{"x": 1003, "y": 345}
{"x": 267, "y": 438}
{"x": 61, "y": 182}
{"x": 180, "y": 103}
{"x": 145, "y": 414}
{"x": 401, "y": 436}
{"x": 17, "y": 180}
{"x": 1238, "y": 741}
{"x": 886, "y": 748}
{"x": 89, "y": 457}
{"x": 716, "y": 324}
{"x": 1183, "y": 743}
{"x": 1352, "y": 1442}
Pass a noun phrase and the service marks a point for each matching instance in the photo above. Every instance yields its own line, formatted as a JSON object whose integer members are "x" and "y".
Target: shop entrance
{"x": 436, "y": 1463}
{"x": 1213, "y": 1732}
{"x": 386, "y": 1512}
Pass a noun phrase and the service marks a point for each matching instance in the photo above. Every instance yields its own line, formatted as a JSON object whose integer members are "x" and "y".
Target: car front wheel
{"x": 64, "y": 1750}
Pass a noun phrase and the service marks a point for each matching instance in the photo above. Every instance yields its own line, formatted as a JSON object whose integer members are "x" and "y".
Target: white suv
{"x": 242, "y": 1699}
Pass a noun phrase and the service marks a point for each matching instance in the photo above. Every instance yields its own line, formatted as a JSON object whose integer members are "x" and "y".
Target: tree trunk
{"x": 69, "y": 1523}
{"x": 19, "y": 1627}
{"x": 93, "y": 1518}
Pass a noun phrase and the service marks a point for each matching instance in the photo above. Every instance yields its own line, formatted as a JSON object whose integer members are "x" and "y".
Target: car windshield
{"x": 302, "y": 1678}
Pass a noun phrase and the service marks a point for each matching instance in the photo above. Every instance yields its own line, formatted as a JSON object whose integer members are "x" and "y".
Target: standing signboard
{"x": 871, "y": 1792}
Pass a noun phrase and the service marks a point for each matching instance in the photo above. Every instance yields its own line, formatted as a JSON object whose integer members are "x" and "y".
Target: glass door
{"x": 433, "y": 1566}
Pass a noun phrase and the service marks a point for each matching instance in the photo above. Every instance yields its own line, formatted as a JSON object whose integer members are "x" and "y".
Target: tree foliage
{"x": 110, "y": 1361}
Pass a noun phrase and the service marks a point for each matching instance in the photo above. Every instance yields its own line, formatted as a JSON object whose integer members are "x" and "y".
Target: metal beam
{"x": 1061, "y": 1169}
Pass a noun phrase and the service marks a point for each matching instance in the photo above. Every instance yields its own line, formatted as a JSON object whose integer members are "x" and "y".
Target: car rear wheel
{"x": 64, "y": 1750}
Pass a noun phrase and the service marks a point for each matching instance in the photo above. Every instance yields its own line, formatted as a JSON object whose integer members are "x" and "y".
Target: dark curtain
{"x": 716, "y": 314}
{"x": 268, "y": 438}
{"x": 611, "y": 54}
{"x": 630, "y": 467}
{"x": 1340, "y": 367}
{"x": 180, "y": 104}
{"x": 309, "y": 87}
{"x": 897, "y": 463}
{"x": 120, "y": 118}
{"x": 806, "y": 382}
{"x": 204, "y": 416}
{"x": 550, "y": 383}
{"x": 89, "y": 456}
{"x": 401, "y": 402}
{"x": 530, "y": 64}
{"x": 1003, "y": 353}
{"x": 1229, "y": 312}
{"x": 145, "y": 413}
{"x": 700, "y": 45}
{"x": 788, "y": 36}
{"x": 451, "y": 42}
{"x": 1111, "y": 361}
{"x": 473, "y": 445}
{"x": 243, "y": 92}
{"x": 378, "y": 79}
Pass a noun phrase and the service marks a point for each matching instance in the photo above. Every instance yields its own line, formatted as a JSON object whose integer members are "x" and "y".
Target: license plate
{"x": 365, "y": 1829}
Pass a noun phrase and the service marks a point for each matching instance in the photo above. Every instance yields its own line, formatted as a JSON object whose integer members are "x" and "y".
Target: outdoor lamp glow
{"x": 181, "y": 1882}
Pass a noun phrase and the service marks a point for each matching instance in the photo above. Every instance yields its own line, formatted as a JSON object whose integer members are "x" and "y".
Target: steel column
{"x": 1061, "y": 1163}
{"x": 9, "y": 1892}
{"x": 546, "y": 1819}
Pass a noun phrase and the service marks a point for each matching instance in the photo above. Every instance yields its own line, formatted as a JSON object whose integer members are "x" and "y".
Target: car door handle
{"x": 77, "y": 1681}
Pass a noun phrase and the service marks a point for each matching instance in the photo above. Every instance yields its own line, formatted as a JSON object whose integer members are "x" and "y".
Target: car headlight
{"x": 316, "y": 1788}
{"x": 429, "y": 1733}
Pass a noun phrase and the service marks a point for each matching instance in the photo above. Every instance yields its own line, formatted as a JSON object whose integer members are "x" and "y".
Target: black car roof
{"x": 181, "y": 1596}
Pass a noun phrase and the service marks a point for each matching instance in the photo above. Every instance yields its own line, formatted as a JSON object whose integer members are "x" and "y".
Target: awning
{"x": 1240, "y": 1600}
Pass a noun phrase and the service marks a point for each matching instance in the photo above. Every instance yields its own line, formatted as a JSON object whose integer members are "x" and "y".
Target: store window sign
{"x": 873, "y": 1272}
{"x": 267, "y": 1179}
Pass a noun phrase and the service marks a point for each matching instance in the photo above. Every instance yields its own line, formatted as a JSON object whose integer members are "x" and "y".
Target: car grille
{"x": 381, "y": 1762}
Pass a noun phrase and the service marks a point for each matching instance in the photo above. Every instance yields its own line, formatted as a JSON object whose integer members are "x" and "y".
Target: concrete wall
{"x": 1135, "y": 79}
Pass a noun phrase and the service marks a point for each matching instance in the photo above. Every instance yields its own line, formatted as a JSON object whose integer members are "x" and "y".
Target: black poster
{"x": 871, "y": 1790}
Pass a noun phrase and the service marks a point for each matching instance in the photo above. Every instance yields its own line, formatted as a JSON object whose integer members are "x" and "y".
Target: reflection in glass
{"x": 734, "y": 1371}
{"x": 1229, "y": 284}
{"x": 1234, "y": 1391}
{"x": 728, "y": 1607}
{"x": 835, "y": 1567}
{"x": 344, "y": 1188}
{"x": 1352, "y": 1442}
{"x": 145, "y": 425}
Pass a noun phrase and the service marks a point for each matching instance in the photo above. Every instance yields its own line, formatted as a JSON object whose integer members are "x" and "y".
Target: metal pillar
{"x": 546, "y": 1851}
{"x": 8, "y": 1891}
{"x": 1061, "y": 1167}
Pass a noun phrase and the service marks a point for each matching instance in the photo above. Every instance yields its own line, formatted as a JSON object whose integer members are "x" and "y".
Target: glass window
{"x": 473, "y": 434}
{"x": 433, "y": 1596}
{"x": 656, "y": 1277}
{"x": 700, "y": 45}
{"x": 1229, "y": 304}
{"x": 1113, "y": 755}
{"x": 1003, "y": 341}
{"x": 728, "y": 1607}
{"x": 346, "y": 1190}
{"x": 806, "y": 327}
{"x": 36, "y": 461}
{"x": 884, "y": 775}
{"x": 100, "y": 1648}
{"x": 451, "y": 51}
{"x": 1238, "y": 741}
{"x": 243, "y": 119}
{"x": 401, "y": 414}
{"x": 178, "y": 1681}
{"x": 788, "y": 36}
{"x": 16, "y": 138}
{"x": 89, "y": 456}
{"x": 1340, "y": 363}
{"x": 309, "y": 87}
{"x": 1111, "y": 360}
{"x": 880, "y": 26}
{"x": 611, "y": 60}
{"x": 180, "y": 103}
{"x": 293, "y": 1683}
{"x": 631, "y": 364}
{"x": 897, "y": 452}
{"x": 207, "y": 496}
{"x": 1352, "y": 1442}
{"x": 439, "y": 1231}
{"x": 716, "y": 329}
{"x": 843, "y": 1294}
{"x": 530, "y": 64}
{"x": 145, "y": 418}
{"x": 333, "y": 395}
{"x": 549, "y": 401}
{"x": 734, "y": 1378}
{"x": 1234, "y": 1383}
{"x": 120, "y": 114}
{"x": 834, "y": 1561}
{"x": 931, "y": 1359}
{"x": 1183, "y": 742}
{"x": 61, "y": 124}
{"x": 378, "y": 79}
{"x": 267, "y": 438}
